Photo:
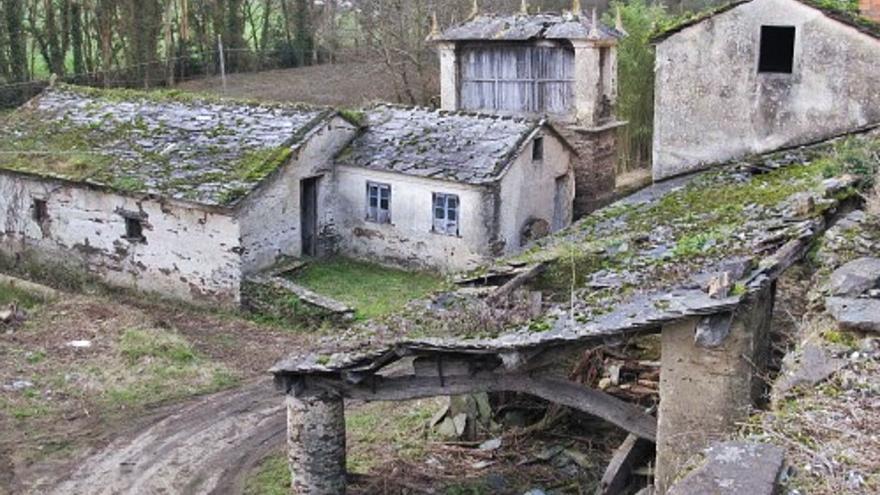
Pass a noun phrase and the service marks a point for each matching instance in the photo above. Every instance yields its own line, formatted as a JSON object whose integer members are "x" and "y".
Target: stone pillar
{"x": 595, "y": 167}
{"x": 448, "y": 76}
{"x": 316, "y": 445}
{"x": 588, "y": 82}
{"x": 609, "y": 75}
{"x": 706, "y": 392}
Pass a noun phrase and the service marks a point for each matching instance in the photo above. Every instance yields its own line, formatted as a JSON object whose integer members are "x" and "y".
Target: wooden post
{"x": 222, "y": 61}
{"x": 316, "y": 445}
{"x": 709, "y": 385}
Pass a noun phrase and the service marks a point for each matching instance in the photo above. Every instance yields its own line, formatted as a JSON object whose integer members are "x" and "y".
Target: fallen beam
{"x": 631, "y": 454}
{"x": 594, "y": 402}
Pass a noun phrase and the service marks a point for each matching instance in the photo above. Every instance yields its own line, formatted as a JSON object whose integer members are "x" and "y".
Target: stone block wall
{"x": 595, "y": 169}
{"x": 870, "y": 9}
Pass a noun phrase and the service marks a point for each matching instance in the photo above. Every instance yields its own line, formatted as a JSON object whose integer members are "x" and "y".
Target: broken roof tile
{"x": 519, "y": 27}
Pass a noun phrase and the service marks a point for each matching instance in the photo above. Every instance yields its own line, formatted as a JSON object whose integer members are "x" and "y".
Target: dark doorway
{"x": 309, "y": 215}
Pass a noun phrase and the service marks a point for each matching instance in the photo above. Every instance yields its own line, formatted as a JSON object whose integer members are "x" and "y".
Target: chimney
{"x": 870, "y": 9}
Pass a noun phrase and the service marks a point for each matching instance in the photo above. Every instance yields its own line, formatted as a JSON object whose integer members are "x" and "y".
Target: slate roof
{"x": 844, "y": 15}
{"x": 197, "y": 149}
{"x": 627, "y": 269}
{"x": 519, "y": 27}
{"x": 455, "y": 146}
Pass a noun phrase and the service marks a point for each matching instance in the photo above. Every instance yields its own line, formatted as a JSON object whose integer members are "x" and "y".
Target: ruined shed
{"x": 163, "y": 192}
{"x": 759, "y": 75}
{"x": 693, "y": 259}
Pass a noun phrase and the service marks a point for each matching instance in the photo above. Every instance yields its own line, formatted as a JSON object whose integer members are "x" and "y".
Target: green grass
{"x": 159, "y": 366}
{"x": 273, "y": 477}
{"x": 25, "y": 299}
{"x": 371, "y": 289}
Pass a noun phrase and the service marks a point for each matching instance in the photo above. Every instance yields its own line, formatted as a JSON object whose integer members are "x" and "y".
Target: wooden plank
{"x": 632, "y": 452}
{"x": 620, "y": 413}
{"x": 516, "y": 282}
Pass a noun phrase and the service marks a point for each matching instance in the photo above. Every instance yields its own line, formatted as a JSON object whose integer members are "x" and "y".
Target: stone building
{"x": 188, "y": 197}
{"x": 563, "y": 66}
{"x": 178, "y": 197}
{"x": 760, "y": 75}
{"x": 450, "y": 190}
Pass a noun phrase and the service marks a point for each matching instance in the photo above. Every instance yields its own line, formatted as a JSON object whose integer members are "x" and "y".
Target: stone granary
{"x": 760, "y": 75}
{"x": 562, "y": 66}
{"x": 188, "y": 197}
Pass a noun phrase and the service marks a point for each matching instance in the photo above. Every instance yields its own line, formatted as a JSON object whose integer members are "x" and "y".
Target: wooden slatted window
{"x": 378, "y": 202}
{"x": 446, "y": 209}
{"x": 532, "y": 79}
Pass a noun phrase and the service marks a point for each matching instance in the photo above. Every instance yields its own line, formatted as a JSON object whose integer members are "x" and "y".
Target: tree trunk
{"x": 18, "y": 64}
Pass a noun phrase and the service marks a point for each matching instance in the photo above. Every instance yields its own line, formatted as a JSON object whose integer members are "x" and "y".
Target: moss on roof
{"x": 845, "y": 11}
{"x": 196, "y": 148}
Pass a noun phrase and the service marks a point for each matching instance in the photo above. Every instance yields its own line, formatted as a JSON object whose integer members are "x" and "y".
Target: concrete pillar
{"x": 448, "y": 76}
{"x": 587, "y": 85}
{"x": 316, "y": 445}
{"x": 706, "y": 392}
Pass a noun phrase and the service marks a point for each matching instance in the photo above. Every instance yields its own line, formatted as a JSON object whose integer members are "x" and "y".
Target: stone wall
{"x": 529, "y": 193}
{"x": 409, "y": 240}
{"x": 270, "y": 218}
{"x": 187, "y": 252}
{"x": 595, "y": 167}
{"x": 713, "y": 104}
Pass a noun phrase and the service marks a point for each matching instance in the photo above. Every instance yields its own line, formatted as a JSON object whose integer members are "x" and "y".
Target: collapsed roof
{"x": 456, "y": 146}
{"x": 532, "y": 27}
{"x": 626, "y": 270}
{"x": 184, "y": 147}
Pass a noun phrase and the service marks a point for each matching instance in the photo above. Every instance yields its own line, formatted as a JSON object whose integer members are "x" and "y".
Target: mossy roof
{"x": 844, "y": 11}
{"x": 198, "y": 149}
{"x": 629, "y": 268}
{"x": 455, "y": 146}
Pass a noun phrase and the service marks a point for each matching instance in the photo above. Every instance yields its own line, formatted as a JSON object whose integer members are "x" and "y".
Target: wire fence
{"x": 164, "y": 72}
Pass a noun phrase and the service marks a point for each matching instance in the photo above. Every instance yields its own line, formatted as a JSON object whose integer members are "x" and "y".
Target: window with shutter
{"x": 446, "y": 213}
{"x": 378, "y": 202}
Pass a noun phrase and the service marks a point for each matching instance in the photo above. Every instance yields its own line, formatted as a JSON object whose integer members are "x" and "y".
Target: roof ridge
{"x": 462, "y": 113}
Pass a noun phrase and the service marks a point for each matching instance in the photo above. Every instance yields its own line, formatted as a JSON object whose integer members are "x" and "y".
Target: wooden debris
{"x": 633, "y": 452}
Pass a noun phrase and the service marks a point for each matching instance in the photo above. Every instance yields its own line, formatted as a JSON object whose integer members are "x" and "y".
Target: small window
{"x": 446, "y": 213}
{"x": 538, "y": 149}
{"x": 134, "y": 230}
{"x": 378, "y": 202}
{"x": 41, "y": 211}
{"x": 777, "y": 49}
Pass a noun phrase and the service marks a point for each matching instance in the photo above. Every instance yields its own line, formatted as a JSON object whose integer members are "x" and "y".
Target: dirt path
{"x": 203, "y": 447}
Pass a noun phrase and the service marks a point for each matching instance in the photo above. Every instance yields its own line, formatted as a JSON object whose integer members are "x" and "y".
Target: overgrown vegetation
{"x": 371, "y": 289}
{"x": 635, "y": 102}
{"x": 15, "y": 295}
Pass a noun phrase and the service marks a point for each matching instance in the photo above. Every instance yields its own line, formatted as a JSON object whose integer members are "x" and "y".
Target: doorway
{"x": 308, "y": 195}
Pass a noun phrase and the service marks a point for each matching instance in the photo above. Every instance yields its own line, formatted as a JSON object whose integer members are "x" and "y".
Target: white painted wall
{"x": 270, "y": 216}
{"x": 528, "y": 190}
{"x": 712, "y": 105}
{"x": 409, "y": 241}
{"x": 189, "y": 253}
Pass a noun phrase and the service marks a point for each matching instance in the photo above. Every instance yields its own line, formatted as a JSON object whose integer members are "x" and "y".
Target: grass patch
{"x": 156, "y": 366}
{"x": 272, "y": 478}
{"x": 24, "y": 299}
{"x": 371, "y": 289}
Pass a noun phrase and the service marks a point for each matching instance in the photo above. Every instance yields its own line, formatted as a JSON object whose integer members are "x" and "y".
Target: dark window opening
{"x": 41, "y": 211}
{"x": 777, "y": 49}
{"x": 538, "y": 149}
{"x": 134, "y": 230}
{"x": 446, "y": 213}
{"x": 378, "y": 203}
